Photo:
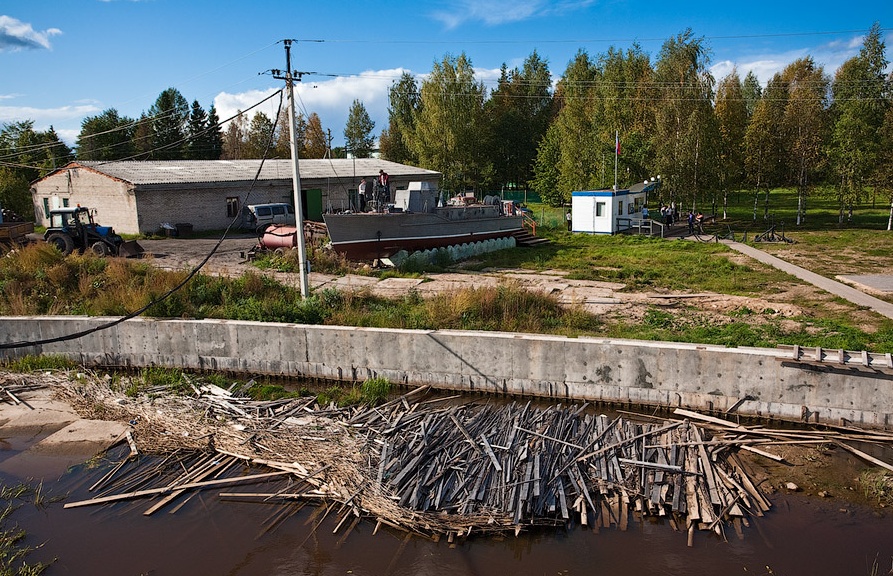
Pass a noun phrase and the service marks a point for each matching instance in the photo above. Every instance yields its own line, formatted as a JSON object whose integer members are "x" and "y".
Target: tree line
{"x": 705, "y": 138}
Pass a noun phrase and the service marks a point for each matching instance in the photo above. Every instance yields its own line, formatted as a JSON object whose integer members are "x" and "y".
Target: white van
{"x": 258, "y": 215}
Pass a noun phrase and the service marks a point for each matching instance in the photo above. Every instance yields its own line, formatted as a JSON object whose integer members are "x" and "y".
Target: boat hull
{"x": 371, "y": 236}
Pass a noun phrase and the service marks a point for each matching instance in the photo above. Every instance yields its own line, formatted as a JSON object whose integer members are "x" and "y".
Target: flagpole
{"x": 616, "y": 155}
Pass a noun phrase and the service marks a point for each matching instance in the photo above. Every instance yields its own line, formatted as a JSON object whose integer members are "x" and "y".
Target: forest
{"x": 664, "y": 115}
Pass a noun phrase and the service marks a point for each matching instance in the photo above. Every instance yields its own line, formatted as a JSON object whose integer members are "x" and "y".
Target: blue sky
{"x": 62, "y": 60}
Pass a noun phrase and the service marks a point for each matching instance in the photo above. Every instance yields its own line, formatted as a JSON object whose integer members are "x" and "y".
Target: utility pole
{"x": 296, "y": 174}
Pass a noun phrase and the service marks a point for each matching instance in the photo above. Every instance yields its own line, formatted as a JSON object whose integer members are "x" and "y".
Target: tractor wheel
{"x": 101, "y": 249}
{"x": 62, "y": 242}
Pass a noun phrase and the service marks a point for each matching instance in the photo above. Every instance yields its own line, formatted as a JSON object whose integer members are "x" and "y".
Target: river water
{"x": 801, "y": 535}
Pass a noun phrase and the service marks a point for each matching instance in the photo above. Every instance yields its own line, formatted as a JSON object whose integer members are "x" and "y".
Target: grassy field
{"x": 764, "y": 306}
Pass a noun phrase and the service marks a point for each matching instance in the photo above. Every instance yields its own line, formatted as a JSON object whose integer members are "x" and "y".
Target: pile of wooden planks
{"x": 521, "y": 466}
{"x": 447, "y": 466}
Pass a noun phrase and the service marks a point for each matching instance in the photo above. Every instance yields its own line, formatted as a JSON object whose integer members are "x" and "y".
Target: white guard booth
{"x": 608, "y": 211}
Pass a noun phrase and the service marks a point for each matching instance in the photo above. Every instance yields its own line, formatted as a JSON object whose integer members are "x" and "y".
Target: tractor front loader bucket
{"x": 130, "y": 249}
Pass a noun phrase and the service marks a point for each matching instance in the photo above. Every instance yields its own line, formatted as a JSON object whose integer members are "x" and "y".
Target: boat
{"x": 416, "y": 222}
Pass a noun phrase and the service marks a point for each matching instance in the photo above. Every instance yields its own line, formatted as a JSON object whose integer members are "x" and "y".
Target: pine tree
{"x": 214, "y": 136}
{"x": 751, "y": 92}
{"x": 519, "y": 111}
{"x": 197, "y": 146}
{"x": 142, "y": 138}
{"x": 581, "y": 153}
{"x": 106, "y": 136}
{"x": 169, "y": 115}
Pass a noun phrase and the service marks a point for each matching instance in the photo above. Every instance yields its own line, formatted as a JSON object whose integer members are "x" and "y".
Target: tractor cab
{"x": 74, "y": 229}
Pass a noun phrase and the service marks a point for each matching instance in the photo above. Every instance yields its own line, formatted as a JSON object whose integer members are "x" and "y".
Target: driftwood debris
{"x": 443, "y": 467}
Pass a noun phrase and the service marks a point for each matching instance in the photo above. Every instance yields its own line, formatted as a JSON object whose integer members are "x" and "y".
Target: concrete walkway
{"x": 837, "y": 288}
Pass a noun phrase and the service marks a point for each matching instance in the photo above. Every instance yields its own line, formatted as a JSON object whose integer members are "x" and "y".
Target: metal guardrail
{"x": 639, "y": 224}
{"x": 838, "y": 356}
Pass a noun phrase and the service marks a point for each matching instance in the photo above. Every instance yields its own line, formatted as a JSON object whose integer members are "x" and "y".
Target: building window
{"x": 620, "y": 207}
{"x": 46, "y": 207}
{"x": 65, "y": 202}
{"x": 232, "y": 206}
{"x": 599, "y": 209}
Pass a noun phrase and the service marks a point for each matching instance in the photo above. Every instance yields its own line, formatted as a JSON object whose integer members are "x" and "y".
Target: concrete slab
{"x": 831, "y": 286}
{"x": 880, "y": 283}
{"x": 36, "y": 412}
{"x": 354, "y": 281}
{"x": 395, "y": 286}
{"x": 67, "y": 439}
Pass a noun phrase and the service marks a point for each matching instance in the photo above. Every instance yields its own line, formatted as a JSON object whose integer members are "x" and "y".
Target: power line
{"x": 378, "y": 41}
{"x": 173, "y": 290}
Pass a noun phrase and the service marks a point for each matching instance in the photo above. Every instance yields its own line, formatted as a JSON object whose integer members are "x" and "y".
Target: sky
{"x": 64, "y": 60}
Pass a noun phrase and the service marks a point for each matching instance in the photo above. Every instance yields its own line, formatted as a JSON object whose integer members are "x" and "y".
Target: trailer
{"x": 14, "y": 234}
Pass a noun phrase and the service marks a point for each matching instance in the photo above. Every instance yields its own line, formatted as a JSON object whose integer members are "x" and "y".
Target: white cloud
{"x": 44, "y": 117}
{"x": 496, "y": 12}
{"x": 830, "y": 56}
{"x": 65, "y": 120}
{"x": 17, "y": 35}
{"x": 329, "y": 98}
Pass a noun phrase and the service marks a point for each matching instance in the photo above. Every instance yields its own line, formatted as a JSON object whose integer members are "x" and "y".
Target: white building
{"x": 136, "y": 197}
{"x": 609, "y": 211}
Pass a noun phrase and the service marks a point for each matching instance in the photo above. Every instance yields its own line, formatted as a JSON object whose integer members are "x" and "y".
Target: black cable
{"x": 166, "y": 295}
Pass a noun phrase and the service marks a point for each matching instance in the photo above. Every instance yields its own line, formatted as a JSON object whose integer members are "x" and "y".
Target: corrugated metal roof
{"x": 190, "y": 171}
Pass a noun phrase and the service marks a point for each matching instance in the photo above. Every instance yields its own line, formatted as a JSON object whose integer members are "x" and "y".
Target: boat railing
{"x": 528, "y": 222}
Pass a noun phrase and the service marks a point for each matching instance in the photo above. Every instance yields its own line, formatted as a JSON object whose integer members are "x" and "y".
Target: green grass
{"x": 13, "y": 552}
{"x": 38, "y": 280}
{"x": 32, "y": 363}
{"x": 371, "y": 392}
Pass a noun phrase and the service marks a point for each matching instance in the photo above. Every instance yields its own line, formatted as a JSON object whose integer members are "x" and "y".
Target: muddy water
{"x": 801, "y": 535}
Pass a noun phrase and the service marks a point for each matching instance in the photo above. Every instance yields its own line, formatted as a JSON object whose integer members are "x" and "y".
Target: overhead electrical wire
{"x": 174, "y": 289}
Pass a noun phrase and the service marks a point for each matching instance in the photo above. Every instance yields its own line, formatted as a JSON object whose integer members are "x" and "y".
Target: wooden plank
{"x": 864, "y": 456}
{"x": 762, "y": 453}
{"x": 464, "y": 432}
{"x": 166, "y": 489}
{"x": 705, "y": 418}
{"x": 655, "y": 465}
{"x": 489, "y": 450}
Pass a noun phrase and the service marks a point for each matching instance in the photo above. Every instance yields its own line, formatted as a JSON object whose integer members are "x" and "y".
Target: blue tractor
{"x": 73, "y": 229}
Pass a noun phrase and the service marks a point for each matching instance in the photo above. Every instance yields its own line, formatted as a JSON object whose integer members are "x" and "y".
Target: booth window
{"x": 599, "y": 209}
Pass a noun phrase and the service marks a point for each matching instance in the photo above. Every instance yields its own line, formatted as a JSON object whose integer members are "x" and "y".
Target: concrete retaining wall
{"x": 620, "y": 371}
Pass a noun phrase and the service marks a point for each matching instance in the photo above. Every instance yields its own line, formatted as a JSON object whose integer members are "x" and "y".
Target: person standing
{"x": 570, "y": 220}
{"x": 384, "y": 182}
{"x": 691, "y": 223}
{"x": 361, "y": 195}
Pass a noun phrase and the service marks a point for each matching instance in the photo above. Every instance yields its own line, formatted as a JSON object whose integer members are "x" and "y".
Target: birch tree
{"x": 450, "y": 132}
